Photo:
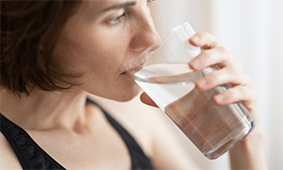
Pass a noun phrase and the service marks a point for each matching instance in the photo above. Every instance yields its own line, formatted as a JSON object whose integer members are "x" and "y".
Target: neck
{"x": 44, "y": 110}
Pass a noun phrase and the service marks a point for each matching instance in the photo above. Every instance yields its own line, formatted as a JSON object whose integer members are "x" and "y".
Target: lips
{"x": 137, "y": 65}
{"x": 131, "y": 71}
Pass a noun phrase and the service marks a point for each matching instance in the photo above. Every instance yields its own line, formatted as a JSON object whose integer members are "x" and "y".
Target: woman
{"x": 55, "y": 53}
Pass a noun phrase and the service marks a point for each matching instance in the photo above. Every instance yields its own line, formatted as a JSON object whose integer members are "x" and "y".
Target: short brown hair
{"x": 27, "y": 27}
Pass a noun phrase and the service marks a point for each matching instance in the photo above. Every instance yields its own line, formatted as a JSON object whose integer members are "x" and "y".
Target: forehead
{"x": 94, "y": 10}
{"x": 97, "y": 6}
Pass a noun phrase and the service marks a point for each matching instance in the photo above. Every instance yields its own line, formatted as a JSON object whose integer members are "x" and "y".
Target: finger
{"x": 147, "y": 100}
{"x": 246, "y": 94}
{"x": 217, "y": 55}
{"x": 204, "y": 40}
{"x": 223, "y": 76}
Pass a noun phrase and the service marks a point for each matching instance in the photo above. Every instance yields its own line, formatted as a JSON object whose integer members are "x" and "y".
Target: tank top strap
{"x": 139, "y": 159}
{"x": 30, "y": 155}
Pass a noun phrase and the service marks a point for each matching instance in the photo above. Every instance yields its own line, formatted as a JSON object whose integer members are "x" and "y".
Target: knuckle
{"x": 215, "y": 36}
{"x": 223, "y": 50}
{"x": 208, "y": 34}
{"x": 239, "y": 65}
{"x": 248, "y": 79}
{"x": 251, "y": 100}
{"x": 204, "y": 56}
{"x": 254, "y": 92}
{"x": 248, "y": 93}
{"x": 201, "y": 34}
{"x": 232, "y": 73}
{"x": 212, "y": 78}
{"x": 238, "y": 92}
{"x": 232, "y": 94}
{"x": 245, "y": 92}
{"x": 238, "y": 75}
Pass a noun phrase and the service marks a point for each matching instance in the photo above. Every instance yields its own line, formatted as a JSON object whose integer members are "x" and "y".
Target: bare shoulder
{"x": 135, "y": 117}
{"x": 8, "y": 158}
{"x": 153, "y": 130}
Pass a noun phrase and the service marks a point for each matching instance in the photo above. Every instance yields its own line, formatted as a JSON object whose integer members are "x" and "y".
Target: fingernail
{"x": 219, "y": 98}
{"x": 195, "y": 63}
{"x": 201, "y": 82}
{"x": 195, "y": 38}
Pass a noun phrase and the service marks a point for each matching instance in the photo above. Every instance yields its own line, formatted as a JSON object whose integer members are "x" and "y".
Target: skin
{"x": 118, "y": 45}
{"x": 99, "y": 46}
{"x": 251, "y": 147}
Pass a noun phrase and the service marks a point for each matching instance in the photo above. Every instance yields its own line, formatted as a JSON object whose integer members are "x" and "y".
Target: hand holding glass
{"x": 166, "y": 77}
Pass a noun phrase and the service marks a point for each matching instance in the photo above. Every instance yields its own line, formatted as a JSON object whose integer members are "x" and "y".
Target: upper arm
{"x": 8, "y": 158}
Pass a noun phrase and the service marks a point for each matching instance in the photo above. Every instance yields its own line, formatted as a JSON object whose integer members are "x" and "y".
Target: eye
{"x": 118, "y": 19}
{"x": 149, "y": 2}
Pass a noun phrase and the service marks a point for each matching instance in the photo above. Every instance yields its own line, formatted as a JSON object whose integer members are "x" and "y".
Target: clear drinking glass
{"x": 166, "y": 77}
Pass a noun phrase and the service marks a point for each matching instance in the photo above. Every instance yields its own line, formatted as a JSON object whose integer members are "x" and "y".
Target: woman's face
{"x": 100, "y": 40}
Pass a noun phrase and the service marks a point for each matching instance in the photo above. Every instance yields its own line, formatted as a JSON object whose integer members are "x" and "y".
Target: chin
{"x": 122, "y": 94}
{"x": 126, "y": 90}
{"x": 129, "y": 94}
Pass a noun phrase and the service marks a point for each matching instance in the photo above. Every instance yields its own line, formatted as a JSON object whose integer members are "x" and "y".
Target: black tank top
{"x": 32, "y": 156}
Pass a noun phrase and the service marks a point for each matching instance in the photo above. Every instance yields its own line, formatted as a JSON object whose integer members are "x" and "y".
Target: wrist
{"x": 255, "y": 136}
{"x": 249, "y": 152}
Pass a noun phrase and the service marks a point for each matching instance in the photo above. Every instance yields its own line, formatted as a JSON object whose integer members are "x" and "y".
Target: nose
{"x": 145, "y": 35}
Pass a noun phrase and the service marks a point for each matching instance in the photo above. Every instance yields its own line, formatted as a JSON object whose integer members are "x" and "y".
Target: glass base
{"x": 219, "y": 150}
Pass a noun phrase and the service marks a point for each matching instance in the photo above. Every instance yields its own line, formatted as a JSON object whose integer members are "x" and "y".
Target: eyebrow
{"x": 120, "y": 5}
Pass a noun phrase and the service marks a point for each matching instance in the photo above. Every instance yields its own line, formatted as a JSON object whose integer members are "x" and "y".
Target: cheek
{"x": 111, "y": 49}
{"x": 85, "y": 54}
{"x": 98, "y": 54}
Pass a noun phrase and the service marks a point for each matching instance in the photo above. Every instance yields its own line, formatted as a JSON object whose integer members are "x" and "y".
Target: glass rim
{"x": 164, "y": 40}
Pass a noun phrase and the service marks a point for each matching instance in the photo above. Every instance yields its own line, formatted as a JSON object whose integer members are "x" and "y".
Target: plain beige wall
{"x": 169, "y": 13}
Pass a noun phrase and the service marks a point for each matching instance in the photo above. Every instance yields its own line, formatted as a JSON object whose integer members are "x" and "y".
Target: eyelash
{"x": 118, "y": 19}
{"x": 149, "y": 2}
